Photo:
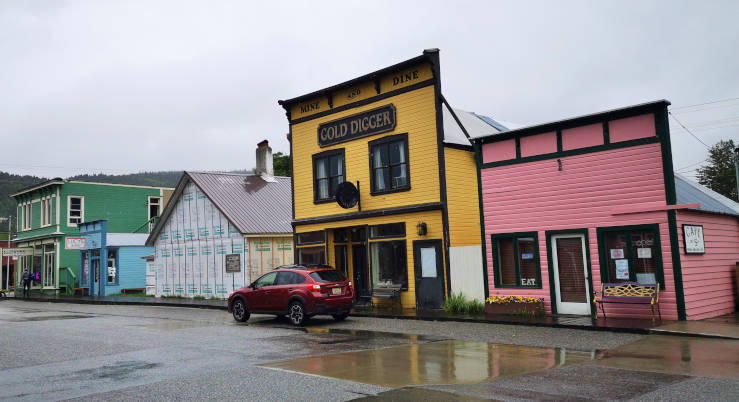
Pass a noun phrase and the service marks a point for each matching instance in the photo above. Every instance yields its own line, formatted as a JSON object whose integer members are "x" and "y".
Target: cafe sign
{"x": 693, "y": 239}
{"x": 371, "y": 122}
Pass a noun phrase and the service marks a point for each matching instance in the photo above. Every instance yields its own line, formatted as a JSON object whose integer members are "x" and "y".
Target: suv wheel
{"x": 296, "y": 313}
{"x": 240, "y": 312}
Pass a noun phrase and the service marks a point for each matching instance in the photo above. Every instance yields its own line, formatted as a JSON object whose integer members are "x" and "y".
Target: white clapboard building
{"x": 220, "y": 231}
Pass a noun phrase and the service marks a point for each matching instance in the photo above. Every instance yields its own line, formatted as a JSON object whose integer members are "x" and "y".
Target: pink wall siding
{"x": 539, "y": 144}
{"x": 582, "y": 137}
{"x": 709, "y": 279}
{"x": 632, "y": 128}
{"x": 535, "y": 196}
{"x": 499, "y": 151}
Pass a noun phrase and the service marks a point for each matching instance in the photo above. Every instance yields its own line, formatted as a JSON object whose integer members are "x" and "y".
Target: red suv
{"x": 297, "y": 291}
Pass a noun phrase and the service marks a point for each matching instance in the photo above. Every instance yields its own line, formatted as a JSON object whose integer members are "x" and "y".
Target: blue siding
{"x": 131, "y": 269}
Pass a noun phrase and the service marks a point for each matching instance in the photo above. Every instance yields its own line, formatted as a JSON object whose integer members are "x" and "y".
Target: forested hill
{"x": 10, "y": 183}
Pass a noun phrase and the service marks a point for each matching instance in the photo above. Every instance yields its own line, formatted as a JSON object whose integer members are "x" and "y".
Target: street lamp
{"x": 7, "y": 265}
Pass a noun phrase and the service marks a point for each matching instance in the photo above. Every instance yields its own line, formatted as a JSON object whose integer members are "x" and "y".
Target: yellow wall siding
{"x": 434, "y": 225}
{"x": 415, "y": 111}
{"x": 462, "y": 200}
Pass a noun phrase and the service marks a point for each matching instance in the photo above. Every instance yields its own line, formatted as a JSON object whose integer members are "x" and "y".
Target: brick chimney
{"x": 264, "y": 159}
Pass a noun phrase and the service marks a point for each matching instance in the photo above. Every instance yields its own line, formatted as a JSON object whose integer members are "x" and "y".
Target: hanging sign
{"x": 17, "y": 252}
{"x": 693, "y": 239}
{"x": 371, "y": 122}
{"x": 75, "y": 243}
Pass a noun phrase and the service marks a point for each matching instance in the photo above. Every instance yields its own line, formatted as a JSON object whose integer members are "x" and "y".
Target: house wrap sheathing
{"x": 215, "y": 216}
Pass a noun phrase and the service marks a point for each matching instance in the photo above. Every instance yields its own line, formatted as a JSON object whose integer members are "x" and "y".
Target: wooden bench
{"x": 135, "y": 290}
{"x": 391, "y": 292}
{"x": 628, "y": 293}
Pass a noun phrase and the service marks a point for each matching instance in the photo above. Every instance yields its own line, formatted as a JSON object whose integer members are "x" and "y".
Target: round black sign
{"x": 347, "y": 195}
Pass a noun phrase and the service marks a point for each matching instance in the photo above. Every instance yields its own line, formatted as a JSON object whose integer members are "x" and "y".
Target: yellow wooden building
{"x": 389, "y": 148}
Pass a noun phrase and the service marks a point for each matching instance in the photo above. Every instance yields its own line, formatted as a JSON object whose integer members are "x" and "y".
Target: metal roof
{"x": 125, "y": 239}
{"x": 37, "y": 186}
{"x": 474, "y": 126}
{"x": 690, "y": 192}
{"x": 252, "y": 203}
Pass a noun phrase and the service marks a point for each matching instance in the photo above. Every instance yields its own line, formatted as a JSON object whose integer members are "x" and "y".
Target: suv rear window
{"x": 327, "y": 276}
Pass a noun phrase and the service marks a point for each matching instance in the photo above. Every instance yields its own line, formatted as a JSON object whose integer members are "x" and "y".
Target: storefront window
{"x": 112, "y": 268}
{"x": 311, "y": 255}
{"x": 328, "y": 173}
{"x": 387, "y": 230}
{"x": 516, "y": 260}
{"x": 389, "y": 263}
{"x": 37, "y": 269}
{"x": 389, "y": 160}
{"x": 631, "y": 255}
{"x": 49, "y": 265}
{"x": 311, "y": 237}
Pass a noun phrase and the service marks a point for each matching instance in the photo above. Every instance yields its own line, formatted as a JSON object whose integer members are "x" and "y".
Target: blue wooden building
{"x": 111, "y": 262}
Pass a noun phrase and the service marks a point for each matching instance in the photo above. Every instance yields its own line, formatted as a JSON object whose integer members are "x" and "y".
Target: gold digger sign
{"x": 371, "y": 122}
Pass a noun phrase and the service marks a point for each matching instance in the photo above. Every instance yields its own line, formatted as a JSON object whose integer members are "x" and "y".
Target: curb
{"x": 123, "y": 303}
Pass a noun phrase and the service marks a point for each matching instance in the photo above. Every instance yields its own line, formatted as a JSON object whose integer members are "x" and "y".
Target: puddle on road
{"x": 440, "y": 362}
{"x": 692, "y": 356}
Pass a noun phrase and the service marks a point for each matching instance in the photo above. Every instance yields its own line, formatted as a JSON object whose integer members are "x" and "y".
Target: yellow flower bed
{"x": 513, "y": 299}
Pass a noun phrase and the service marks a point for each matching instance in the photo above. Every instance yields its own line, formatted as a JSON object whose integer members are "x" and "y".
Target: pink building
{"x": 575, "y": 203}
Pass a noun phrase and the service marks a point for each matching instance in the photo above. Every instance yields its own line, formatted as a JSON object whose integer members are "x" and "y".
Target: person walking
{"x": 26, "y": 279}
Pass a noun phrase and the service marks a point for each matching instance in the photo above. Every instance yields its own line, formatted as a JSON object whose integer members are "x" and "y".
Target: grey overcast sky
{"x": 129, "y": 86}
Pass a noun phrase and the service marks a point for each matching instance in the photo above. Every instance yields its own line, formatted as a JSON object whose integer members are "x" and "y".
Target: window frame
{"x": 385, "y": 141}
{"x": 403, "y": 286}
{"x": 149, "y": 204}
{"x": 26, "y": 220}
{"x": 327, "y": 155}
{"x": 603, "y": 251}
{"x": 496, "y": 263}
{"x": 69, "y": 209}
{"x": 49, "y": 279}
{"x": 392, "y": 236}
{"x": 115, "y": 262}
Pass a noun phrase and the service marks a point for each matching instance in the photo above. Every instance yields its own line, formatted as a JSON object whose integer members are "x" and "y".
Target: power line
{"x": 693, "y": 164}
{"x": 706, "y": 108}
{"x": 705, "y": 103}
{"x": 686, "y": 129}
{"x": 57, "y": 167}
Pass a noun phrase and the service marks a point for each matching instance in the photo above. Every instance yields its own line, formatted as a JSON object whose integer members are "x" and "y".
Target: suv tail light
{"x": 314, "y": 287}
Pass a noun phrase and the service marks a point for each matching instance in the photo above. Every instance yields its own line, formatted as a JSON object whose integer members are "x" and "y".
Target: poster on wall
{"x": 622, "y": 269}
{"x": 617, "y": 253}
{"x": 693, "y": 239}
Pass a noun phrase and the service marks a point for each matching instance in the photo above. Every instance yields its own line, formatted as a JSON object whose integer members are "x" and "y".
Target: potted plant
{"x": 517, "y": 305}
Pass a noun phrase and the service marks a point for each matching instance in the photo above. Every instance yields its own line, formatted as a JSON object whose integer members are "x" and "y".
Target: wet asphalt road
{"x": 52, "y": 351}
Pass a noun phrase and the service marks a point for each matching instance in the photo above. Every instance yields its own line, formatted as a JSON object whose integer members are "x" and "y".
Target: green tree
{"x": 281, "y": 164}
{"x": 719, "y": 174}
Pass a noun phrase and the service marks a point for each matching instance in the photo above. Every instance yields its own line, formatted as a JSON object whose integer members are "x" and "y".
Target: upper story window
{"x": 155, "y": 206}
{"x": 26, "y": 218}
{"x": 75, "y": 210}
{"x": 46, "y": 205}
{"x": 328, "y": 172}
{"x": 389, "y": 164}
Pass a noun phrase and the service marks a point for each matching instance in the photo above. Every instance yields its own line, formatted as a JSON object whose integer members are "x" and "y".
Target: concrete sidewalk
{"x": 724, "y": 327}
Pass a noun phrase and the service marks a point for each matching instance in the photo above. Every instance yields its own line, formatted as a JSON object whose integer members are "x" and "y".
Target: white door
{"x": 570, "y": 274}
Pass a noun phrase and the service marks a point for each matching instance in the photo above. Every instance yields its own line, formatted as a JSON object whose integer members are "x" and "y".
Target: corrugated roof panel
{"x": 252, "y": 204}
{"x": 125, "y": 239}
{"x": 689, "y": 192}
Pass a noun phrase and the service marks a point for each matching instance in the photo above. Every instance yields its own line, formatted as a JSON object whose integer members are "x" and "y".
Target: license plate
{"x": 336, "y": 291}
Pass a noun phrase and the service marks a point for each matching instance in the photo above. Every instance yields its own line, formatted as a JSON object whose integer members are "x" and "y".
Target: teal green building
{"x": 48, "y": 214}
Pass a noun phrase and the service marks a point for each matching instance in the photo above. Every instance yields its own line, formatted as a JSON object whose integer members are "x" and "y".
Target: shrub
{"x": 458, "y": 303}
